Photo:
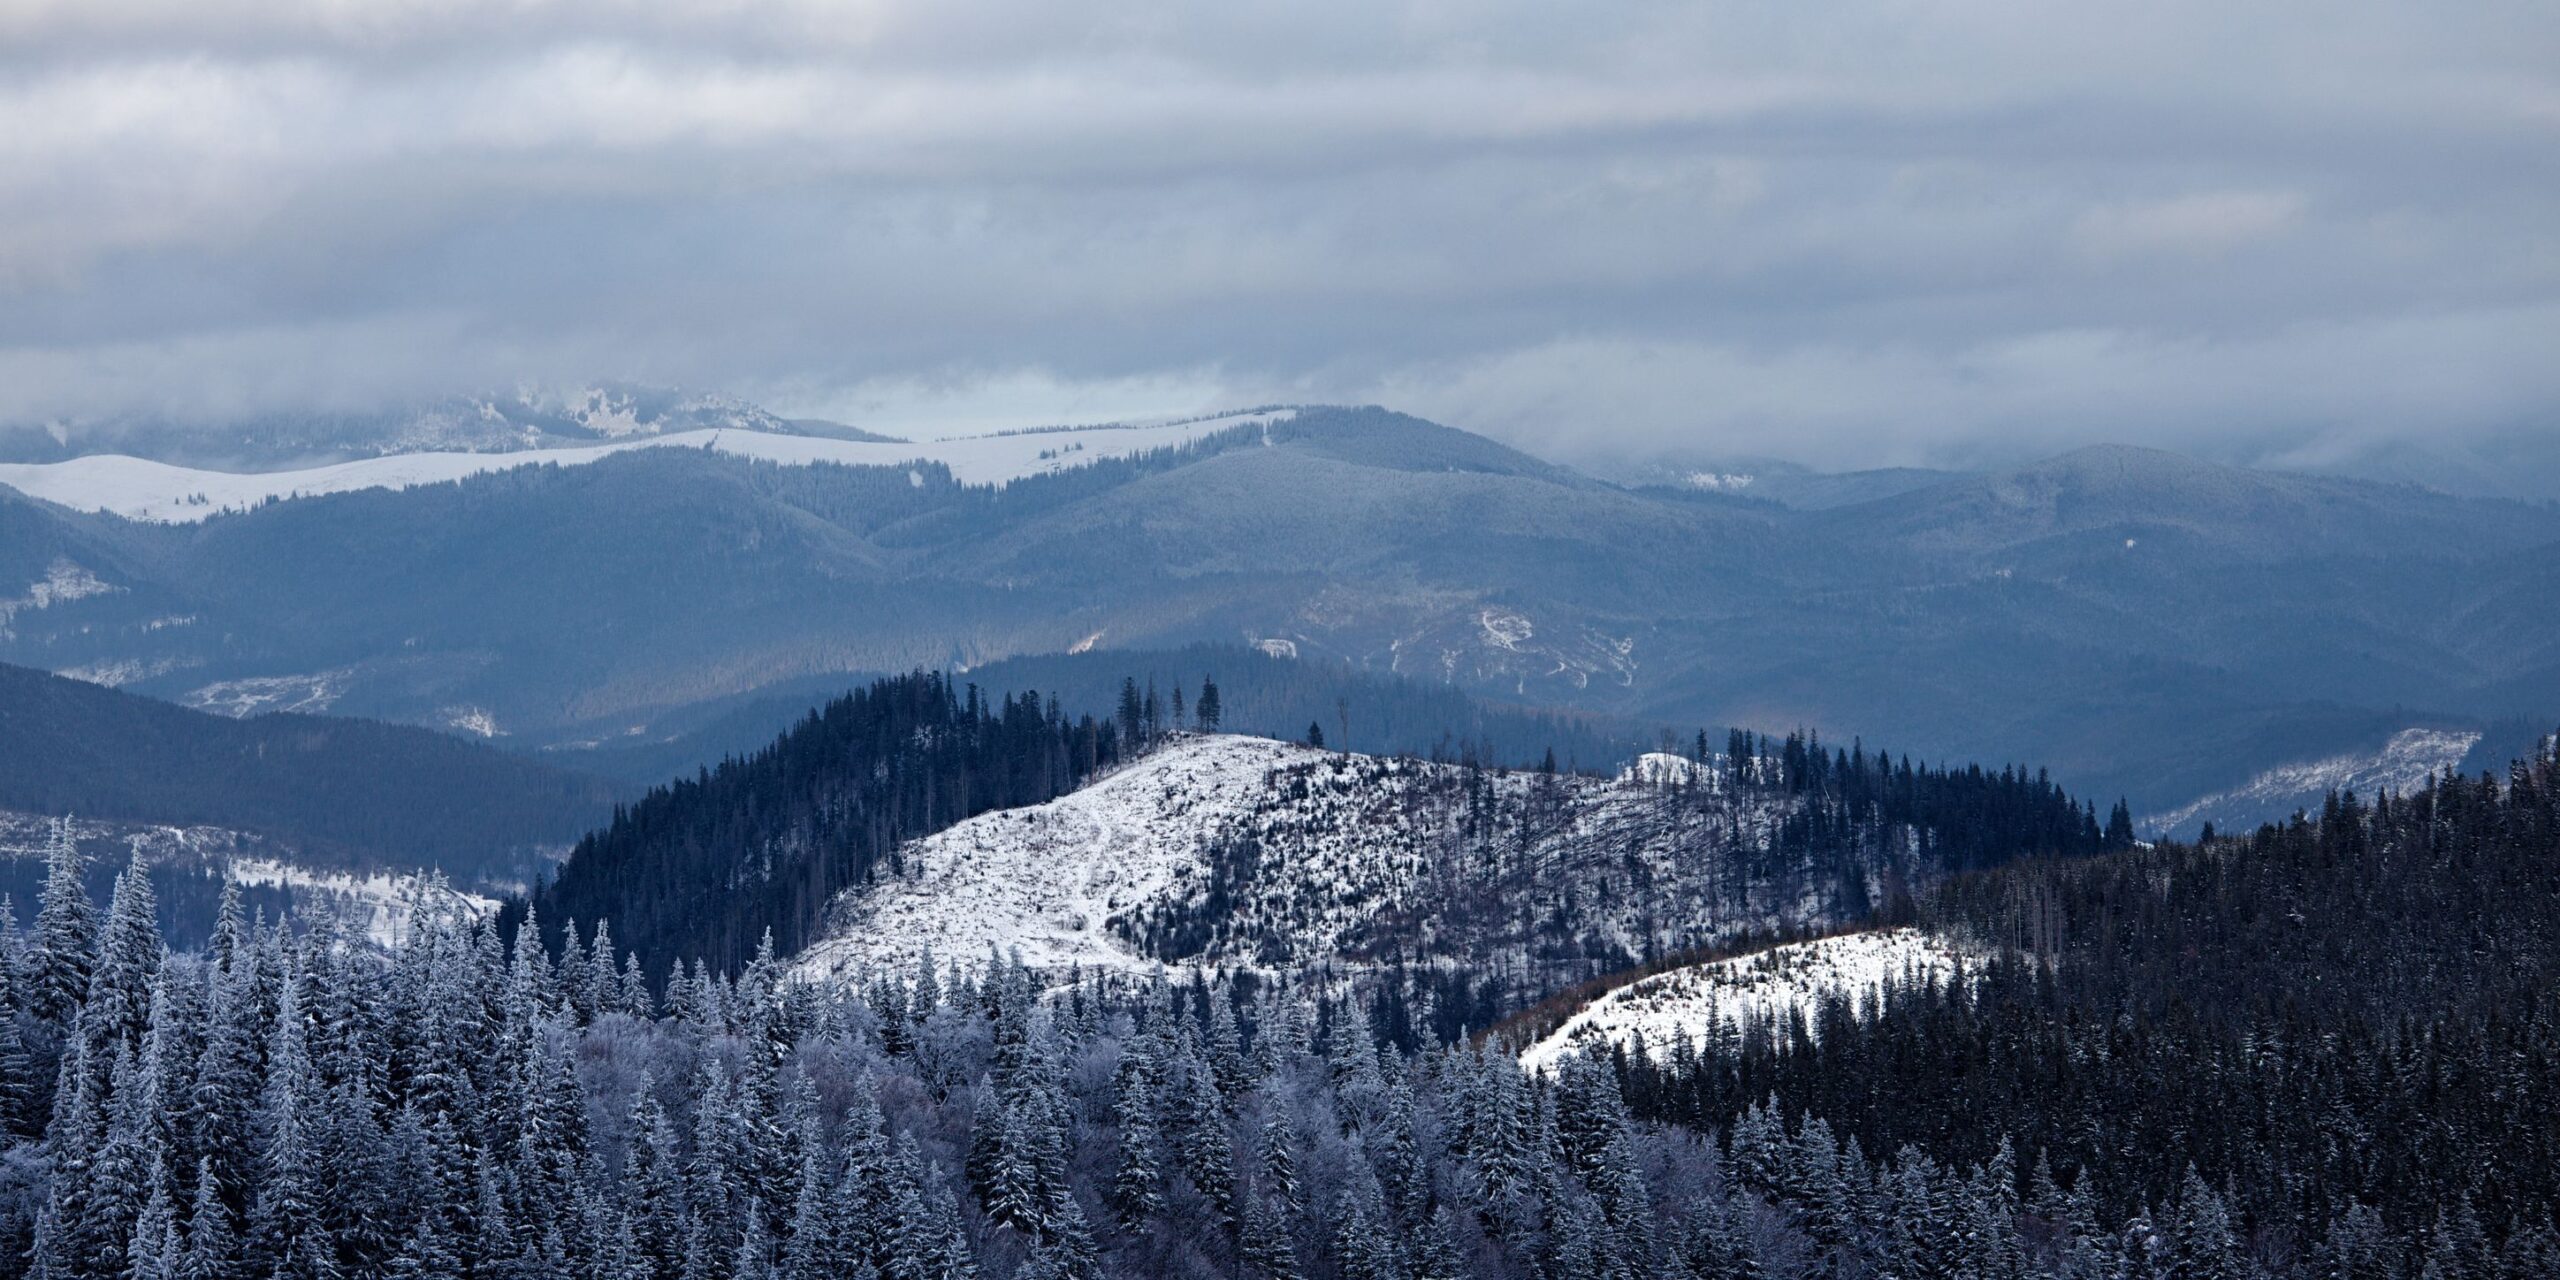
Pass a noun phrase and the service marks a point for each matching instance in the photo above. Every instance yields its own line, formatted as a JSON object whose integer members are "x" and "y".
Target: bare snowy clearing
{"x": 1728, "y": 995}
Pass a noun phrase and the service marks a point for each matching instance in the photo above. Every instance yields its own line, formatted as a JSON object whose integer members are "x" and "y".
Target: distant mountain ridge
{"x": 2148, "y": 625}
{"x": 528, "y": 418}
{"x": 337, "y": 793}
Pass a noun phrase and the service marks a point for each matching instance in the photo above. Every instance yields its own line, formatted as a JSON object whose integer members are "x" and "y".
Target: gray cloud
{"x": 1840, "y": 234}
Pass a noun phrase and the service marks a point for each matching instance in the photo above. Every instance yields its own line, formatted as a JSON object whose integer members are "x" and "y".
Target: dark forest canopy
{"x": 707, "y": 865}
{"x": 2347, "y": 1028}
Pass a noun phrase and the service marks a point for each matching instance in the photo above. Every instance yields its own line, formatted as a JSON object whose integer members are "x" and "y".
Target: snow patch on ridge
{"x": 62, "y": 583}
{"x": 140, "y": 489}
{"x": 1665, "y": 769}
{"x": 1726, "y": 995}
{"x": 257, "y": 695}
{"x": 379, "y": 905}
{"x": 2404, "y": 764}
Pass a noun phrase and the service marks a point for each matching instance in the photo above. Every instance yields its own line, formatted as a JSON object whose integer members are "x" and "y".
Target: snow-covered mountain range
{"x": 525, "y": 418}
{"x": 1232, "y": 850}
{"x": 2001, "y": 617}
{"x": 144, "y": 489}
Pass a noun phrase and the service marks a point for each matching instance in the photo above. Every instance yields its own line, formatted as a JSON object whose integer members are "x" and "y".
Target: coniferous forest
{"x": 2328, "y": 1049}
{"x": 704, "y": 867}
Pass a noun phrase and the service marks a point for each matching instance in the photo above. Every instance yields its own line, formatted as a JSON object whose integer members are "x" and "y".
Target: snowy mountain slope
{"x": 2402, "y": 764}
{"x": 141, "y": 489}
{"x": 1725, "y": 996}
{"x": 1232, "y": 850}
{"x": 1049, "y": 879}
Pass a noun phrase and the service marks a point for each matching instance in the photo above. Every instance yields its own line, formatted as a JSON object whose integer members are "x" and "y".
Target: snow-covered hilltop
{"x": 1049, "y": 879}
{"x": 141, "y": 489}
{"x": 1234, "y": 850}
{"x": 1770, "y": 986}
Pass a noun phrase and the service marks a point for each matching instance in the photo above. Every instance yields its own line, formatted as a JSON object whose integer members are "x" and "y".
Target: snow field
{"x": 1699, "y": 1000}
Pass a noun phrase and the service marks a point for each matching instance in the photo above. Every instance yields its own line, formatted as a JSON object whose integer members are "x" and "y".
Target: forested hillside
{"x": 2327, "y": 1048}
{"x": 2128, "y": 1110}
{"x": 704, "y": 867}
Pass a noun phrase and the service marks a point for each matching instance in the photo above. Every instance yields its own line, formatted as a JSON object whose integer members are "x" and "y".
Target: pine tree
{"x": 1590, "y": 1111}
{"x": 2530, "y": 1251}
{"x": 813, "y": 1251}
{"x": 1266, "y": 1248}
{"x": 754, "y": 1259}
{"x": 2201, "y": 1245}
{"x": 1199, "y": 1129}
{"x": 1011, "y": 1189}
{"x": 1997, "y": 1252}
{"x": 1279, "y": 1153}
{"x": 118, "y": 1004}
{"x": 1364, "y": 1239}
{"x": 285, "y": 1235}
{"x": 2357, "y": 1247}
{"x": 1133, "y": 713}
{"x": 212, "y": 1245}
{"x": 154, "y": 1252}
{"x": 2119, "y": 833}
{"x": 54, "y": 1255}
{"x": 17, "y": 1066}
{"x": 219, "y": 1115}
{"x": 65, "y": 946}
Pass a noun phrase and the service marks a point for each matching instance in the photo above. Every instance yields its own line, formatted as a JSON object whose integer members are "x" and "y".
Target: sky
{"x": 1841, "y": 234}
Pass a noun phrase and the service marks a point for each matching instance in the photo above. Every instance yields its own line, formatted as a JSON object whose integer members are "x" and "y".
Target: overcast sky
{"x": 1843, "y": 233}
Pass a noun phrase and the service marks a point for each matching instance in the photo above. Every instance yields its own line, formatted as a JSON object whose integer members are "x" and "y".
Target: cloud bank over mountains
{"x": 1842, "y": 235}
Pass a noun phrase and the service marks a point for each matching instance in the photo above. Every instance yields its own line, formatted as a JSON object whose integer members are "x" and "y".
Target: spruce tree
{"x": 116, "y": 1010}
{"x": 65, "y": 946}
{"x": 212, "y": 1249}
{"x": 1266, "y": 1247}
{"x": 17, "y": 1068}
{"x": 285, "y": 1217}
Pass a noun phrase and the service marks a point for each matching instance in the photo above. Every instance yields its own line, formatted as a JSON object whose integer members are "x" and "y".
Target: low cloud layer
{"x": 1840, "y": 235}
